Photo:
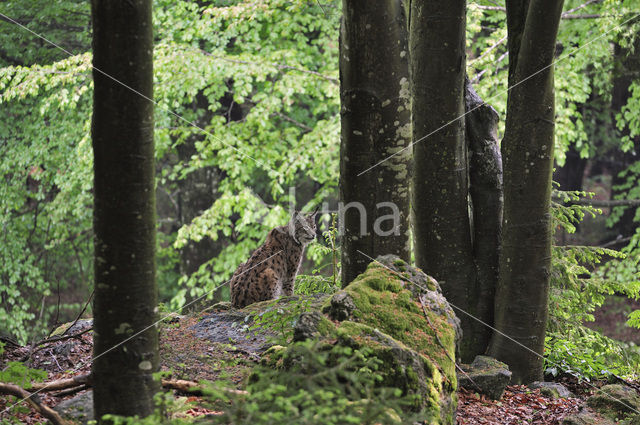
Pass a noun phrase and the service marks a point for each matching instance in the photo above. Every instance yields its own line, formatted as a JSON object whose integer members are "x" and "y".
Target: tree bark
{"x": 627, "y": 71}
{"x": 485, "y": 189}
{"x": 125, "y": 338}
{"x": 527, "y": 151}
{"x": 442, "y": 231}
{"x": 374, "y": 93}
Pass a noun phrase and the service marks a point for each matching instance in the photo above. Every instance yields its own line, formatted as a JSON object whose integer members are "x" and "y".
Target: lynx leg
{"x": 266, "y": 287}
{"x": 287, "y": 287}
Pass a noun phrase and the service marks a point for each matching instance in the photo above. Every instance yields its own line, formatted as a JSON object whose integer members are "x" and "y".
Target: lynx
{"x": 272, "y": 268}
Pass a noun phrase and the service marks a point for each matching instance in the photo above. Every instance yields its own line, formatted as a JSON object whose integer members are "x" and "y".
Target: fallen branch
{"x": 24, "y": 395}
{"x": 70, "y": 391}
{"x": 61, "y": 384}
{"x": 75, "y": 383}
{"x": 193, "y": 387}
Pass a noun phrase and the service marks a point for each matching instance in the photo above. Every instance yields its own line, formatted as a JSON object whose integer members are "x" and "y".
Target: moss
{"x": 386, "y": 303}
{"x": 325, "y": 327}
{"x": 273, "y": 357}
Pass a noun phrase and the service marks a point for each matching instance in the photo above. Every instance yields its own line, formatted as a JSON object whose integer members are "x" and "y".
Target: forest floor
{"x": 186, "y": 355}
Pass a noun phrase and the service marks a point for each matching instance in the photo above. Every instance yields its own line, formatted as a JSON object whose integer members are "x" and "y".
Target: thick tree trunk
{"x": 442, "y": 232}
{"x": 527, "y": 152}
{"x": 485, "y": 178}
{"x": 374, "y": 93}
{"x": 124, "y": 209}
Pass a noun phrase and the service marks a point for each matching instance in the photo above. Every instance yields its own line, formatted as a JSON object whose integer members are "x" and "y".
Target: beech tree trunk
{"x": 124, "y": 210}
{"x": 485, "y": 188}
{"x": 374, "y": 94}
{"x": 441, "y": 226}
{"x": 527, "y": 153}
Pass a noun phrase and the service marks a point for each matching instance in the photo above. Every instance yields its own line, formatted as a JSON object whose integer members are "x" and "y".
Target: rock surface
{"x": 485, "y": 375}
{"x": 615, "y": 401}
{"x": 551, "y": 389}
{"x": 398, "y": 314}
{"x": 585, "y": 417}
{"x": 78, "y": 409}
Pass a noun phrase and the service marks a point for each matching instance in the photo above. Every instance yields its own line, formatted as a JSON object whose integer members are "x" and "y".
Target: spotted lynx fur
{"x": 272, "y": 268}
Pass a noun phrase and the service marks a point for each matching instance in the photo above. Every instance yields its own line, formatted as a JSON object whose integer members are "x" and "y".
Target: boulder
{"x": 551, "y": 389}
{"x": 585, "y": 417}
{"x": 485, "y": 375}
{"x": 615, "y": 401}
{"x": 77, "y": 410}
{"x": 398, "y": 315}
{"x": 71, "y": 328}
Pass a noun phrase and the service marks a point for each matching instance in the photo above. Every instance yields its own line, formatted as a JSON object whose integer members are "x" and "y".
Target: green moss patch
{"x": 386, "y": 302}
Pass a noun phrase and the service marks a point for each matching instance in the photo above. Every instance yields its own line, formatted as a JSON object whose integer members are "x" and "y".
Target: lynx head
{"x": 303, "y": 227}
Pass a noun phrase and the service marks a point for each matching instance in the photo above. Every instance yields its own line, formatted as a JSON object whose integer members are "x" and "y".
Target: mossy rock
{"x": 390, "y": 296}
{"x": 77, "y": 410}
{"x": 71, "y": 328}
{"x": 551, "y": 389}
{"x": 485, "y": 375}
{"x": 585, "y": 417}
{"x": 406, "y": 369}
{"x": 397, "y": 314}
{"x": 615, "y": 401}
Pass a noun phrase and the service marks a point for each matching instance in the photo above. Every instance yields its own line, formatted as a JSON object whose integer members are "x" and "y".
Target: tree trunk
{"x": 374, "y": 93}
{"x": 442, "y": 232}
{"x": 125, "y": 338}
{"x": 527, "y": 152}
{"x": 627, "y": 71}
{"x": 485, "y": 178}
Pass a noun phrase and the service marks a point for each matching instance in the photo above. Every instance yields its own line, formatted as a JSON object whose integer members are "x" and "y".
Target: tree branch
{"x": 61, "y": 384}
{"x": 44, "y": 410}
{"x": 603, "y": 202}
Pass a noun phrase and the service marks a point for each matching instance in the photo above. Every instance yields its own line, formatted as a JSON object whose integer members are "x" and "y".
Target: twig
{"x": 498, "y": 8}
{"x": 583, "y": 16}
{"x": 9, "y": 341}
{"x": 566, "y": 15}
{"x": 616, "y": 242}
{"x": 582, "y": 6}
{"x": 498, "y": 43}
{"x": 81, "y": 312}
{"x": 56, "y": 360}
{"x": 604, "y": 203}
{"x": 46, "y": 342}
{"x": 70, "y": 391}
{"x": 303, "y": 126}
{"x": 44, "y": 410}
